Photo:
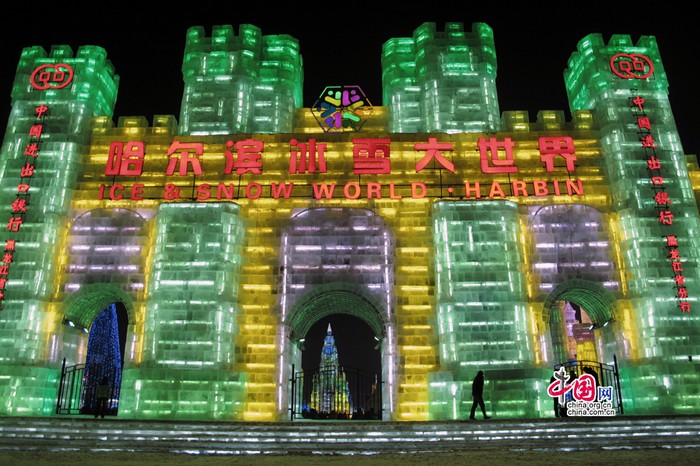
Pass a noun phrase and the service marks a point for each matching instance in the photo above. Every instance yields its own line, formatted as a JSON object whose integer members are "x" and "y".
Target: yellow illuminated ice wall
{"x": 467, "y": 239}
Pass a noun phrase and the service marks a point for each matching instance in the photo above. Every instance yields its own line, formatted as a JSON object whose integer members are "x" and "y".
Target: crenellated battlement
{"x": 441, "y": 80}
{"x": 461, "y": 236}
{"x": 91, "y": 75}
{"x": 597, "y": 68}
{"x": 243, "y": 83}
{"x": 516, "y": 121}
{"x": 223, "y": 52}
{"x": 547, "y": 120}
{"x": 163, "y": 125}
{"x": 475, "y": 47}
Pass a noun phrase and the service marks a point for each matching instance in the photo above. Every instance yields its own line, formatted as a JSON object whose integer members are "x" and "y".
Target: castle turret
{"x": 441, "y": 81}
{"x": 248, "y": 83}
{"x": 625, "y": 86}
{"x": 54, "y": 98}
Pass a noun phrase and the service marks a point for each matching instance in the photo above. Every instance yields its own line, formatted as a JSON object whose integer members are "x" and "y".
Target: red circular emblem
{"x": 55, "y": 76}
{"x": 631, "y": 66}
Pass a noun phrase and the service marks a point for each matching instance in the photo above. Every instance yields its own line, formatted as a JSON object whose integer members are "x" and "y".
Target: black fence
{"x": 335, "y": 393}
{"x": 77, "y": 390}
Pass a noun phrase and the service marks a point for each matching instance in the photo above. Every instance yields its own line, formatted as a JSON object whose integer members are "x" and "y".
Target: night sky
{"x": 341, "y": 44}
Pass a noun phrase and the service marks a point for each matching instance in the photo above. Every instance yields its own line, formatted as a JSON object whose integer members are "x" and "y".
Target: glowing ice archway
{"x": 83, "y": 306}
{"x": 336, "y": 260}
{"x": 351, "y": 299}
{"x": 335, "y": 298}
{"x": 596, "y": 300}
{"x": 598, "y": 303}
{"x": 572, "y": 242}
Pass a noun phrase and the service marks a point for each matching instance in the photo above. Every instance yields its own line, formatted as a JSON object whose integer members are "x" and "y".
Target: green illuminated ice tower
{"x": 625, "y": 86}
{"x": 330, "y": 391}
{"x": 187, "y": 370}
{"x": 54, "y": 98}
{"x": 446, "y": 82}
{"x": 248, "y": 83}
{"x": 441, "y": 81}
{"x": 481, "y": 311}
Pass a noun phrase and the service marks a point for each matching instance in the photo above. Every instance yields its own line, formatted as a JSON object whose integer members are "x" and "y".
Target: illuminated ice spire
{"x": 329, "y": 352}
{"x": 330, "y": 393}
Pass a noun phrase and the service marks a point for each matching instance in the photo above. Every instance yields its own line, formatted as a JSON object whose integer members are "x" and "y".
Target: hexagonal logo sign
{"x": 342, "y": 109}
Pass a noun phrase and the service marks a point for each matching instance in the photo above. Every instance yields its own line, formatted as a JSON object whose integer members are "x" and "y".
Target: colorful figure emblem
{"x": 342, "y": 108}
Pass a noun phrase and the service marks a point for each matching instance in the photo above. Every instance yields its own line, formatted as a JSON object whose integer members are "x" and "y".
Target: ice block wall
{"x": 188, "y": 365}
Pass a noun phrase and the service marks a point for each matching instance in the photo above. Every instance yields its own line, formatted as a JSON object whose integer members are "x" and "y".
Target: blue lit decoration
{"x": 103, "y": 359}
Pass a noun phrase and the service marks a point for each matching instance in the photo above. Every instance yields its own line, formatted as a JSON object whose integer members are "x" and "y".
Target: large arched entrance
{"x": 336, "y": 261}
{"x": 351, "y": 390}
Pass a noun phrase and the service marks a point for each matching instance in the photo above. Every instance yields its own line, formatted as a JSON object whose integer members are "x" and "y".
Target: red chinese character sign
{"x": 370, "y": 156}
{"x": 342, "y": 108}
{"x": 19, "y": 206}
{"x": 637, "y": 66}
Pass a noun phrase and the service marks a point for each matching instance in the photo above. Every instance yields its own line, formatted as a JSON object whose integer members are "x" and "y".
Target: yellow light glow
{"x": 420, "y": 367}
{"x": 417, "y": 348}
{"x": 417, "y": 307}
{"x": 258, "y": 328}
{"x": 413, "y": 269}
{"x": 261, "y": 346}
{"x": 414, "y": 250}
{"x": 418, "y": 327}
{"x": 252, "y": 366}
{"x": 257, "y": 287}
{"x": 414, "y": 288}
{"x": 255, "y": 386}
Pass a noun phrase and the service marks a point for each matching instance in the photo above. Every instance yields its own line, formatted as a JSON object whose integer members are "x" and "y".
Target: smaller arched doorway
{"x": 96, "y": 320}
{"x": 584, "y": 337}
{"x": 574, "y": 310}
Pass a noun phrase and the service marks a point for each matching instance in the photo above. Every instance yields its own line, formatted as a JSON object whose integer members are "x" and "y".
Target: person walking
{"x": 478, "y": 395}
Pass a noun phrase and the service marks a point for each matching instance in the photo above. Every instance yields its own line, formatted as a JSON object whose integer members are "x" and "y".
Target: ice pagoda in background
{"x": 330, "y": 395}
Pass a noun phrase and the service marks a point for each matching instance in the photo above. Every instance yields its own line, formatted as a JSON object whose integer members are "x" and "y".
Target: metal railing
{"x": 77, "y": 390}
{"x": 344, "y": 393}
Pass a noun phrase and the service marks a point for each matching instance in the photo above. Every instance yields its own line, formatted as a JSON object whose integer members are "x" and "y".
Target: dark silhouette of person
{"x": 102, "y": 394}
{"x": 593, "y": 373}
{"x": 478, "y": 395}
